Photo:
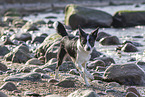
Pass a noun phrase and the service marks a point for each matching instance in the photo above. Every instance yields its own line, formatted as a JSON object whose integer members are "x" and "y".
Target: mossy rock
{"x": 49, "y": 40}
{"x": 18, "y": 23}
{"x": 127, "y": 18}
{"x": 86, "y": 17}
{"x": 29, "y": 26}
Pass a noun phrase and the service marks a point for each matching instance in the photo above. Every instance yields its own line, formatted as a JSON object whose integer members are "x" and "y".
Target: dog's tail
{"x": 60, "y": 29}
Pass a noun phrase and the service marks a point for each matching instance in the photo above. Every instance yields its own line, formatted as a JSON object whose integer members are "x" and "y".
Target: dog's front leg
{"x": 82, "y": 73}
{"x": 91, "y": 77}
{"x": 56, "y": 73}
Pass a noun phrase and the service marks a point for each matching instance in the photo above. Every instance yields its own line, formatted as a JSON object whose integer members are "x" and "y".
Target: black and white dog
{"x": 78, "y": 48}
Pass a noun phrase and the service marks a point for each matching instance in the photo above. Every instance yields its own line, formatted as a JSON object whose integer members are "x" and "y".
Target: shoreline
{"x": 42, "y": 7}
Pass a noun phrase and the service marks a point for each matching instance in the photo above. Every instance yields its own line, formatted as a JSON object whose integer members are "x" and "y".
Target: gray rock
{"x": 102, "y": 35}
{"x": 34, "y": 61}
{"x": 66, "y": 66}
{"x": 128, "y": 18}
{"x": 3, "y": 95}
{"x": 23, "y": 47}
{"x": 138, "y": 36}
{"x": 132, "y": 42}
{"x": 45, "y": 76}
{"x": 29, "y": 26}
{"x": 4, "y": 50}
{"x": 110, "y": 90}
{"x": 126, "y": 74}
{"x": 3, "y": 67}
{"x": 95, "y": 63}
{"x": 86, "y": 17}
{"x": 128, "y": 47}
{"x": 54, "y": 95}
{"x": 83, "y": 93}
{"x": 31, "y": 94}
{"x": 33, "y": 76}
{"x": 134, "y": 90}
{"x": 9, "y": 86}
{"x": 26, "y": 69}
{"x": 95, "y": 54}
{"x": 114, "y": 84}
{"x": 39, "y": 70}
{"x": 38, "y": 39}
{"x": 110, "y": 40}
{"x": 53, "y": 81}
{"x": 102, "y": 93}
{"x": 106, "y": 60}
{"x": 48, "y": 70}
{"x": 140, "y": 63}
{"x": 66, "y": 83}
{"x": 21, "y": 36}
{"x": 131, "y": 94}
{"x": 20, "y": 56}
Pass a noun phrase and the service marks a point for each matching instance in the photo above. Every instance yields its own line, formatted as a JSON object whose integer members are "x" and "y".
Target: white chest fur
{"x": 82, "y": 55}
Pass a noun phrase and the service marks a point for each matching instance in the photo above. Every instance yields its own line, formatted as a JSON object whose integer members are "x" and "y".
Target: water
{"x": 121, "y": 33}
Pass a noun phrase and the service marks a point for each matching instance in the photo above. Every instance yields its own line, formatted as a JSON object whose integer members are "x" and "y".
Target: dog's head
{"x": 87, "y": 41}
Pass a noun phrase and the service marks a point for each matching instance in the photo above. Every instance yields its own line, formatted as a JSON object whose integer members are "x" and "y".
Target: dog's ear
{"x": 60, "y": 28}
{"x": 95, "y": 33}
{"x": 81, "y": 32}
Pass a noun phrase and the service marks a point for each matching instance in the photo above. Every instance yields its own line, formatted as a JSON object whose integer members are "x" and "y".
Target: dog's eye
{"x": 91, "y": 41}
{"x": 83, "y": 41}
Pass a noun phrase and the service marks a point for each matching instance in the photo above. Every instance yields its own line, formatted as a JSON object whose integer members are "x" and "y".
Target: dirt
{"x": 44, "y": 88}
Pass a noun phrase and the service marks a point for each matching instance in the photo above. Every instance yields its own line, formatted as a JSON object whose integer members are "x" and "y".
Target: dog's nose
{"x": 88, "y": 48}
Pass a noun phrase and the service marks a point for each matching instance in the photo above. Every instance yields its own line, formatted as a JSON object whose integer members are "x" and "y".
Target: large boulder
{"x": 86, "y": 17}
{"x": 127, "y": 74}
{"x": 128, "y": 18}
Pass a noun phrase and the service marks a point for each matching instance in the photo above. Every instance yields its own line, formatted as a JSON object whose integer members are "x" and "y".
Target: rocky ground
{"x": 27, "y": 63}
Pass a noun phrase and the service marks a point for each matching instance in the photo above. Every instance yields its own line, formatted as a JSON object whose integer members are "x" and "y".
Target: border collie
{"x": 78, "y": 48}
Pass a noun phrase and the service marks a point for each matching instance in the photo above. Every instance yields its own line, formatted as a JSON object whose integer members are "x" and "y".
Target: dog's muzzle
{"x": 88, "y": 48}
